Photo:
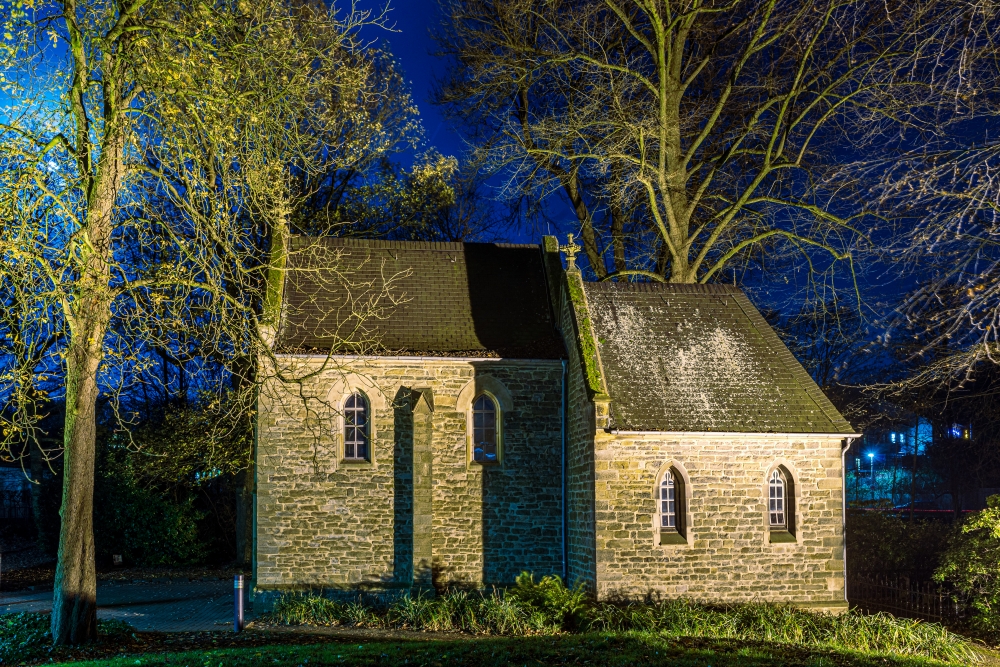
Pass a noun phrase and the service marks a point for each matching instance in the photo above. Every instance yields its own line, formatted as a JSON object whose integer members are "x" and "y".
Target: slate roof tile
{"x": 700, "y": 358}
{"x": 453, "y": 299}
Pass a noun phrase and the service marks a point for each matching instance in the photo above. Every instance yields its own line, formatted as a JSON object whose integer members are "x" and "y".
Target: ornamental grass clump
{"x": 759, "y": 621}
{"x": 308, "y": 609}
{"x": 548, "y": 606}
{"x": 462, "y": 611}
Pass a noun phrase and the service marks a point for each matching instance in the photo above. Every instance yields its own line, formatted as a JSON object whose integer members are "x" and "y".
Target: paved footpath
{"x": 156, "y": 605}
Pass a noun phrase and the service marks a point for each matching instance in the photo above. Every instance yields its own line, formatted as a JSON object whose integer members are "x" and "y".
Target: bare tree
{"x": 156, "y": 129}
{"x": 689, "y": 135}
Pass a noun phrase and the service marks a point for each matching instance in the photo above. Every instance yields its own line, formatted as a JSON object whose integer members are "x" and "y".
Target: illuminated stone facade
{"x": 640, "y": 380}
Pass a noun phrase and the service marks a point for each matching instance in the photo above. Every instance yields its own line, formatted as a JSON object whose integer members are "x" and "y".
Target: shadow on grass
{"x": 614, "y": 650}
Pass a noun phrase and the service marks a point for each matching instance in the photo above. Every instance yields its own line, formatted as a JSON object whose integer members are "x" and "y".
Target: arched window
{"x": 670, "y": 507}
{"x": 484, "y": 429}
{"x": 356, "y": 431}
{"x": 780, "y": 494}
{"x": 777, "y": 501}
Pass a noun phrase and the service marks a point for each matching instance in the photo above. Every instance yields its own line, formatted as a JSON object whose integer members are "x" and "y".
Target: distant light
{"x": 892, "y": 436}
{"x": 871, "y": 455}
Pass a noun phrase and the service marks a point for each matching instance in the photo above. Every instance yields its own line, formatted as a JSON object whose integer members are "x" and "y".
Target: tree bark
{"x": 88, "y": 314}
{"x": 74, "y": 605}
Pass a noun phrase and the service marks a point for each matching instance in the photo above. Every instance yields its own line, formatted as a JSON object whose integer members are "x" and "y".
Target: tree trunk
{"x": 74, "y": 605}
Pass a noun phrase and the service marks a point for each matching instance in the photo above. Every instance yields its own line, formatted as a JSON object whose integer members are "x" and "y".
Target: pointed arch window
{"x": 484, "y": 429}
{"x": 356, "y": 428}
{"x": 670, "y": 508}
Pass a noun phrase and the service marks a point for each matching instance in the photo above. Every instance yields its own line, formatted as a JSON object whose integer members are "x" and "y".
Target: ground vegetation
{"x": 548, "y": 607}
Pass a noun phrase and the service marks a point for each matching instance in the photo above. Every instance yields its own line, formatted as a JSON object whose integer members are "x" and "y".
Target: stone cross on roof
{"x": 570, "y": 249}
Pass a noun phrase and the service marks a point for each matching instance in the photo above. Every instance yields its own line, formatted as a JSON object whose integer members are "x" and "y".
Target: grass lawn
{"x": 624, "y": 650}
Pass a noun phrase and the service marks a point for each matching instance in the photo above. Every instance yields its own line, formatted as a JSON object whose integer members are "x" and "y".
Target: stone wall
{"x": 323, "y": 523}
{"x": 728, "y": 554}
{"x": 580, "y": 428}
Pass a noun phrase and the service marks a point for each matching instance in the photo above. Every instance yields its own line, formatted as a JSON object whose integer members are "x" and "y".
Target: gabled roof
{"x": 453, "y": 299}
{"x": 700, "y": 358}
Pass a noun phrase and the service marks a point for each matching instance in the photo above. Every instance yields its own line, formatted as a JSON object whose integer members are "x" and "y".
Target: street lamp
{"x": 871, "y": 458}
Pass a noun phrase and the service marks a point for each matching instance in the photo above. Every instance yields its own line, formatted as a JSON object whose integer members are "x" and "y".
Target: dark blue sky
{"x": 412, "y": 45}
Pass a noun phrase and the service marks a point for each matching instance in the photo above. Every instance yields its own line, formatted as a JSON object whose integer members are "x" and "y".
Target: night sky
{"x": 412, "y": 46}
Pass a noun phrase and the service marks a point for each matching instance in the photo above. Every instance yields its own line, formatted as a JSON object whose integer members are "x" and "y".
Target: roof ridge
{"x": 382, "y": 244}
{"x": 673, "y": 288}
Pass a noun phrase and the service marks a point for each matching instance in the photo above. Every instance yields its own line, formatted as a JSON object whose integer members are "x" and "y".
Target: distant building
{"x": 638, "y": 438}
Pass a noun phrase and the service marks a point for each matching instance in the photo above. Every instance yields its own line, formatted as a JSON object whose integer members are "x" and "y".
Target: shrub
{"x": 972, "y": 565}
{"x": 558, "y": 606}
{"x": 145, "y": 526}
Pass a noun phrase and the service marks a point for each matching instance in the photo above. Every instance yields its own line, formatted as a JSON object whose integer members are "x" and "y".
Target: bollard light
{"x": 238, "y": 603}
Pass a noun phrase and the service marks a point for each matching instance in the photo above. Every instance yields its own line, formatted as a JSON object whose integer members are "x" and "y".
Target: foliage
{"x": 26, "y": 636}
{"x": 142, "y": 524}
{"x": 456, "y": 611}
{"x": 544, "y": 607}
{"x": 23, "y": 636}
{"x": 437, "y": 199}
{"x": 185, "y": 464}
{"x": 886, "y": 542}
{"x": 192, "y": 443}
{"x": 879, "y": 633}
{"x": 559, "y": 605}
{"x": 972, "y": 565}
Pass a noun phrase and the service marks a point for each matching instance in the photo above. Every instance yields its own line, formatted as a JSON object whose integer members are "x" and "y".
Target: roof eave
{"x": 733, "y": 434}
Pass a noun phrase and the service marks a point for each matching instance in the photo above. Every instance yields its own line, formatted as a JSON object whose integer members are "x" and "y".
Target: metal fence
{"x": 900, "y": 595}
{"x": 15, "y": 504}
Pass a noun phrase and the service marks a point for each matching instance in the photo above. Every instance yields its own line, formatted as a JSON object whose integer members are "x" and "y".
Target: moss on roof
{"x": 700, "y": 358}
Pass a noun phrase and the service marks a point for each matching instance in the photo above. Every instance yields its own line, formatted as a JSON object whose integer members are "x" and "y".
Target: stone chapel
{"x": 499, "y": 414}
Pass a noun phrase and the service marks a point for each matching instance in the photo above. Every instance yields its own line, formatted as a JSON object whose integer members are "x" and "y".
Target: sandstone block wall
{"x": 581, "y": 562}
{"x": 728, "y": 555}
{"x": 323, "y": 523}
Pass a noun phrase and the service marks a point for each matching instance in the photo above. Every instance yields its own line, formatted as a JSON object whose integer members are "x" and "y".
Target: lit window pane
{"x": 356, "y": 427}
{"x": 776, "y": 500}
{"x": 484, "y": 432}
{"x": 668, "y": 502}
